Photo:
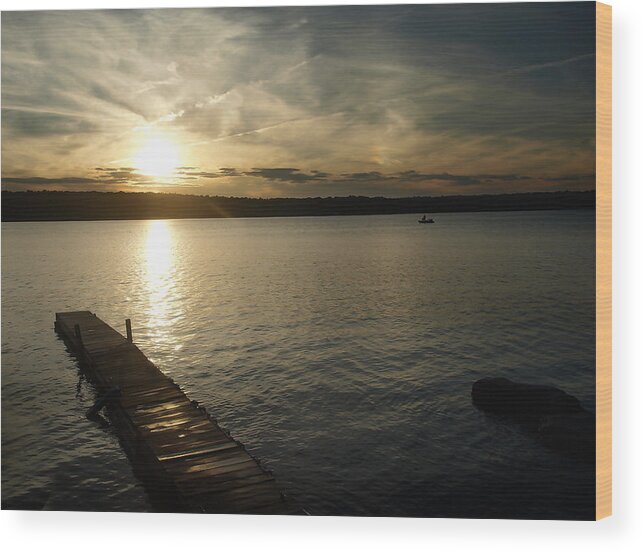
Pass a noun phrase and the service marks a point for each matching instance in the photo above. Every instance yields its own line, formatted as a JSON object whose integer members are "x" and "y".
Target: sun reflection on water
{"x": 160, "y": 278}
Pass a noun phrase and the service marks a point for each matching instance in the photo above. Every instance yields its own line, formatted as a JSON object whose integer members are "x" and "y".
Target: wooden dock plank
{"x": 195, "y": 489}
{"x": 186, "y": 461}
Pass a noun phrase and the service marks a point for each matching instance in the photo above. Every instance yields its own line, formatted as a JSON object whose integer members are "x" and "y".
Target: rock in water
{"x": 522, "y": 402}
{"x": 556, "y": 417}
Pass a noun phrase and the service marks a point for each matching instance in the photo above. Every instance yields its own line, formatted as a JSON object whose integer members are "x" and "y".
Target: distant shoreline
{"x": 78, "y": 206}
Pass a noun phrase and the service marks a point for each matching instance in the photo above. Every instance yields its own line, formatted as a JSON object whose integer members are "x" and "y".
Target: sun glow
{"x": 158, "y": 155}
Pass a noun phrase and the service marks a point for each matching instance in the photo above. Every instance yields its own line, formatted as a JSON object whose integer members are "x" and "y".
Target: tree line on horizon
{"x": 74, "y": 205}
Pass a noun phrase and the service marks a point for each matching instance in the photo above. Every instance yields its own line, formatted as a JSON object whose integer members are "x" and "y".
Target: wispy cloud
{"x": 380, "y": 99}
{"x": 551, "y": 64}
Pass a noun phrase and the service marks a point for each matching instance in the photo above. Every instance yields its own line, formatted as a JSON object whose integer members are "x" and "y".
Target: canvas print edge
{"x": 603, "y": 260}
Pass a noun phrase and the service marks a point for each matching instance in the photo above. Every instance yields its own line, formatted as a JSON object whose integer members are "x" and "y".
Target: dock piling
{"x": 128, "y": 329}
{"x": 101, "y": 401}
{"x": 77, "y": 332}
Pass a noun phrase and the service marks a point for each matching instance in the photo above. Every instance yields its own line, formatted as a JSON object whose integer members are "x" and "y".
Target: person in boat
{"x": 423, "y": 217}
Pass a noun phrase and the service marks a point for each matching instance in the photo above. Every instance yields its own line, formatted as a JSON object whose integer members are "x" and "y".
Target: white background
{"x": 89, "y": 532}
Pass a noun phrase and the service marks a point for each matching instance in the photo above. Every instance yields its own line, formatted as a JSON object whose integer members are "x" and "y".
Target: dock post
{"x": 128, "y": 328}
{"x": 77, "y": 332}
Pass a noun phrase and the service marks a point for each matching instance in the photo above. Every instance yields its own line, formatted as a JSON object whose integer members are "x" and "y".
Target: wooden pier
{"x": 186, "y": 462}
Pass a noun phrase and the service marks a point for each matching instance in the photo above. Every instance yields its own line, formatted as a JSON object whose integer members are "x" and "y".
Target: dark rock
{"x": 35, "y": 499}
{"x": 522, "y": 402}
{"x": 573, "y": 434}
{"x": 557, "y": 418}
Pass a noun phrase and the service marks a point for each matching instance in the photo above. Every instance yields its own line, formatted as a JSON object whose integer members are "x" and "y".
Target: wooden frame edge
{"x": 603, "y": 260}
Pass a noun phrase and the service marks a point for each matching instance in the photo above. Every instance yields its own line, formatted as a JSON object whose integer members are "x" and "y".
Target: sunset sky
{"x": 391, "y": 100}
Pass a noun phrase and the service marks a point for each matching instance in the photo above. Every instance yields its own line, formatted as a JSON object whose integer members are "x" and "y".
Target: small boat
{"x": 425, "y": 220}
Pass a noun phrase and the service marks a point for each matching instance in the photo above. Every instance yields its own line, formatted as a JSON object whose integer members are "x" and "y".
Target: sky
{"x": 394, "y": 101}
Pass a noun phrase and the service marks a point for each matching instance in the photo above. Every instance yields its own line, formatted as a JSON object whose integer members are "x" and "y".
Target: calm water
{"x": 340, "y": 350}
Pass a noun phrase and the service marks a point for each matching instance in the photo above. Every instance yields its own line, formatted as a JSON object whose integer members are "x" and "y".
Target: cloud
{"x": 387, "y": 99}
{"x": 195, "y": 172}
{"x": 293, "y": 182}
{"x": 227, "y": 171}
{"x": 570, "y": 178}
{"x": 287, "y": 175}
{"x": 40, "y": 124}
{"x": 415, "y": 176}
{"x": 550, "y": 64}
{"x": 41, "y": 181}
{"x": 100, "y": 177}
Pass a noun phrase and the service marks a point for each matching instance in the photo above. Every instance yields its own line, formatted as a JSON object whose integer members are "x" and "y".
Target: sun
{"x": 158, "y": 156}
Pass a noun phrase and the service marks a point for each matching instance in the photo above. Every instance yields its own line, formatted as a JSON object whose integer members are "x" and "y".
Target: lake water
{"x": 340, "y": 350}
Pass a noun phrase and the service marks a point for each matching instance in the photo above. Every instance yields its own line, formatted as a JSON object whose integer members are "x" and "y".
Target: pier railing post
{"x": 128, "y": 329}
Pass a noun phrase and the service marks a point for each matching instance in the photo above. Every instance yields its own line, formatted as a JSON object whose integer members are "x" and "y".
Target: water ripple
{"x": 340, "y": 350}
